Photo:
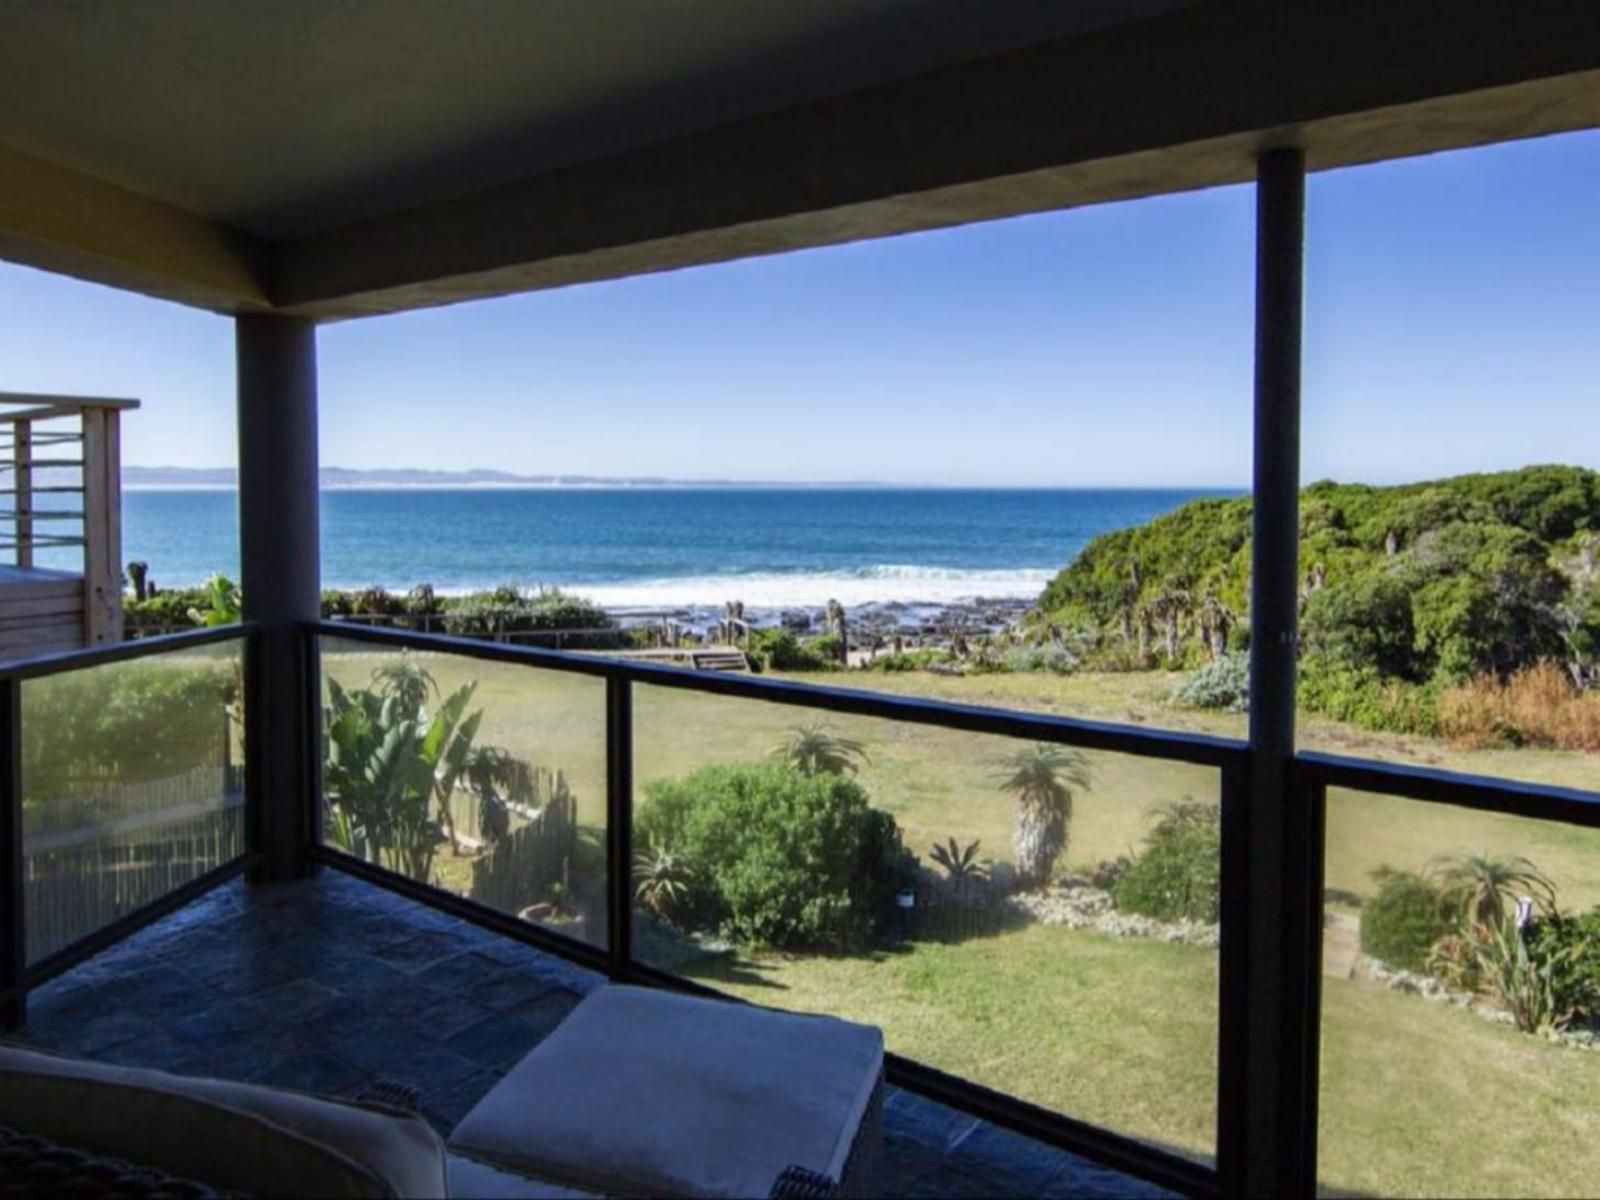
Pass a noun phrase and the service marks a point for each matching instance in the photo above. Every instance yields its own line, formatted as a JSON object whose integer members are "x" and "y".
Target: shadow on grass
{"x": 953, "y": 924}
{"x": 734, "y": 969}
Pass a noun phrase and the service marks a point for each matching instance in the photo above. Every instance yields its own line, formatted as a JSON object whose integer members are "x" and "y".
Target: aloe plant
{"x": 662, "y": 880}
{"x": 1482, "y": 889}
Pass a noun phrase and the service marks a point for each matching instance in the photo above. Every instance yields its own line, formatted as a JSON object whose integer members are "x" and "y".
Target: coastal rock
{"x": 1080, "y": 907}
{"x": 1429, "y": 988}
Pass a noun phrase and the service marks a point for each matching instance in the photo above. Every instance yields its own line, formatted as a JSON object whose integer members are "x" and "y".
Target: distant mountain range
{"x": 337, "y": 477}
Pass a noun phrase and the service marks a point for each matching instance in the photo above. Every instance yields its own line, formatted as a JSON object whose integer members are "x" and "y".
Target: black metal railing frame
{"x": 17, "y": 975}
{"x": 1298, "y": 923}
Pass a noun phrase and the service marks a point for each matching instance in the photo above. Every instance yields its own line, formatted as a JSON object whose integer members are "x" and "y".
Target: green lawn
{"x": 1121, "y": 1032}
{"x": 1418, "y": 1099}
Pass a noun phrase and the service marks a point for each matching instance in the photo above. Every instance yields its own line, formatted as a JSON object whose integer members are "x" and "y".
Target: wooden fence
{"x": 89, "y": 859}
{"x": 520, "y": 869}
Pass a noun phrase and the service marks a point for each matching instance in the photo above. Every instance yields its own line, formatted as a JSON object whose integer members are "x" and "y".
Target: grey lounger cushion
{"x": 643, "y": 1092}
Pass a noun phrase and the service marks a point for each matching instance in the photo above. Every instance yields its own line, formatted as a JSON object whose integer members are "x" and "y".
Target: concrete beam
{"x": 64, "y": 221}
{"x": 1172, "y": 103}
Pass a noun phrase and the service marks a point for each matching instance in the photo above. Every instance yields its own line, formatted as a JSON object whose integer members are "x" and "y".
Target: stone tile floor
{"x": 327, "y": 984}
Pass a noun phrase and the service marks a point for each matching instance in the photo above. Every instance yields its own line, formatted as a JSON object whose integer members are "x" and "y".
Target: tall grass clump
{"x": 1536, "y": 706}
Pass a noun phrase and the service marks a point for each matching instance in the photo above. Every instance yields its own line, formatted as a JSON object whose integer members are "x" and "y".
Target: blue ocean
{"x": 667, "y": 546}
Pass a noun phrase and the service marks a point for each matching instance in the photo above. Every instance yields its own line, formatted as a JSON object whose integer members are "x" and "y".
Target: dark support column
{"x": 281, "y": 573}
{"x": 619, "y": 823}
{"x": 1277, "y": 1133}
{"x": 13, "y": 894}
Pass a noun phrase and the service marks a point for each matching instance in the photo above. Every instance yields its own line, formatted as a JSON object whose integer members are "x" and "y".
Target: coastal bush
{"x": 1569, "y": 945}
{"x": 1425, "y": 584}
{"x": 1400, "y": 924}
{"x": 128, "y": 723}
{"x": 780, "y": 650}
{"x": 1363, "y": 697}
{"x": 1364, "y": 622}
{"x": 772, "y": 856}
{"x": 376, "y": 601}
{"x": 507, "y": 610}
{"x": 1176, "y": 877}
{"x": 827, "y": 647}
{"x": 1041, "y": 657}
{"x": 1108, "y": 872}
{"x": 1223, "y": 683}
{"x": 421, "y": 601}
{"x": 909, "y": 660}
{"x": 163, "y": 612}
{"x": 336, "y": 603}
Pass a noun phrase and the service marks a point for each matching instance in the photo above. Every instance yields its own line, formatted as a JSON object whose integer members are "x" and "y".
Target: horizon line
{"x": 355, "y": 478}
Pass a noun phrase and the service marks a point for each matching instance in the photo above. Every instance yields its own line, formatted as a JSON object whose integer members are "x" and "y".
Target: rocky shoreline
{"x": 915, "y": 624}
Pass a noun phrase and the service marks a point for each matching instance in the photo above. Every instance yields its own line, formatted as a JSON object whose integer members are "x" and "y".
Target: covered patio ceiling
{"x": 340, "y": 159}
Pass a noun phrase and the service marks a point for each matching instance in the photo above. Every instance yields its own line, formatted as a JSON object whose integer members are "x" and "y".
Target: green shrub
{"x": 1176, "y": 876}
{"x": 828, "y": 648}
{"x": 780, "y": 650}
{"x": 507, "y": 610}
{"x": 376, "y": 601}
{"x": 130, "y": 723}
{"x": 1401, "y": 923}
{"x": 909, "y": 660}
{"x": 163, "y": 612}
{"x": 336, "y": 603}
{"x": 1041, "y": 657}
{"x": 777, "y": 857}
{"x": 1361, "y": 696}
{"x": 1569, "y": 947}
{"x": 1223, "y": 683}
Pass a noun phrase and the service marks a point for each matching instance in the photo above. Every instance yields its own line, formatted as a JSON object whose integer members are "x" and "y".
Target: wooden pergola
{"x": 300, "y": 162}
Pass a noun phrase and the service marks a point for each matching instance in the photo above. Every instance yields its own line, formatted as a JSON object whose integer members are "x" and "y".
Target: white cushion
{"x": 232, "y": 1136}
{"x": 643, "y": 1092}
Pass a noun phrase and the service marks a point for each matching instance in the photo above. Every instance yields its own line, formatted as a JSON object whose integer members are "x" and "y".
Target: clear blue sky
{"x": 1453, "y": 324}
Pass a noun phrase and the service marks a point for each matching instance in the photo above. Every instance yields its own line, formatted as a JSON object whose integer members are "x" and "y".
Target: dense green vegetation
{"x": 126, "y": 723}
{"x": 1402, "y": 922}
{"x": 1178, "y": 875}
{"x": 1405, "y": 590}
{"x": 772, "y": 855}
{"x": 780, "y": 650}
{"x": 504, "y": 610}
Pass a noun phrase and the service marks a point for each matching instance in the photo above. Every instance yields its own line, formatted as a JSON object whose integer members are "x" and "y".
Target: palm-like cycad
{"x": 404, "y": 679}
{"x": 1043, "y": 778}
{"x": 1478, "y": 886}
{"x": 815, "y": 750}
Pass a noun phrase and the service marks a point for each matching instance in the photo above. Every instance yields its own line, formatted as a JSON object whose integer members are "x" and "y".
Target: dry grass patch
{"x": 1538, "y": 706}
